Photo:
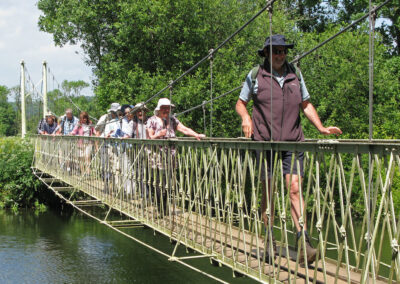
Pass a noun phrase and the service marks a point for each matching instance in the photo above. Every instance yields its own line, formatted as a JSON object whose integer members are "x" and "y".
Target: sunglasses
{"x": 280, "y": 51}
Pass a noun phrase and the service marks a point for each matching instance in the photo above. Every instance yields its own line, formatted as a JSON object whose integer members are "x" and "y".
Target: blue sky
{"x": 21, "y": 39}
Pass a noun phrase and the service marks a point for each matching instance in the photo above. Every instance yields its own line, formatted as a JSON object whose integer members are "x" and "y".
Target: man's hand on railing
{"x": 199, "y": 136}
{"x": 331, "y": 130}
{"x": 247, "y": 126}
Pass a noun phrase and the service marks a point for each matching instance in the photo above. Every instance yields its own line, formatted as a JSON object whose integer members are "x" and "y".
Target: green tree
{"x": 74, "y": 88}
{"x": 70, "y": 96}
{"x": 8, "y": 126}
{"x": 137, "y": 48}
{"x": 390, "y": 14}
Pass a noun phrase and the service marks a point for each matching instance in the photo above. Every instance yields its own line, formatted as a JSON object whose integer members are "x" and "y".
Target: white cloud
{"x": 21, "y": 39}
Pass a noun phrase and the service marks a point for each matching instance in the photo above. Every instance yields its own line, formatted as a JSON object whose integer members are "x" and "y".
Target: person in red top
{"x": 84, "y": 128}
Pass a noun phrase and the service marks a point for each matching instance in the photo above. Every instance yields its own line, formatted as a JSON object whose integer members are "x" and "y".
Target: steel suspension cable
{"x": 211, "y": 90}
{"x": 268, "y": 185}
{"x": 67, "y": 95}
{"x": 34, "y": 89}
{"x": 209, "y": 101}
{"x": 204, "y": 116}
{"x": 374, "y": 10}
{"x": 195, "y": 66}
{"x": 372, "y": 17}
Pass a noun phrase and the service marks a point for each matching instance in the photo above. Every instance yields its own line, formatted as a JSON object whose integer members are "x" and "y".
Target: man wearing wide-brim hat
{"x": 279, "y": 93}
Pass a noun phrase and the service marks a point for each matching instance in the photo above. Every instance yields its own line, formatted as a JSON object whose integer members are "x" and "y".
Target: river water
{"x": 63, "y": 246}
{"x": 67, "y": 247}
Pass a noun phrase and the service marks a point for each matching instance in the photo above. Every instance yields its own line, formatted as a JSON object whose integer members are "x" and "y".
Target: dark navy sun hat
{"x": 276, "y": 40}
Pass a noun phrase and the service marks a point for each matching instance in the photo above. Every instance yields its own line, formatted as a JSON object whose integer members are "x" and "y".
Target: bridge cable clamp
{"x": 318, "y": 225}
{"x": 211, "y": 54}
{"x": 342, "y": 231}
{"x": 270, "y": 8}
{"x": 367, "y": 237}
{"x": 395, "y": 246}
{"x": 373, "y": 13}
{"x": 283, "y": 217}
{"x": 301, "y": 221}
{"x": 203, "y": 105}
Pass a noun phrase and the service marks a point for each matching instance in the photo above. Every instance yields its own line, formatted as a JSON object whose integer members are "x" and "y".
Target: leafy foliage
{"x": 137, "y": 48}
{"x": 18, "y": 185}
{"x": 8, "y": 124}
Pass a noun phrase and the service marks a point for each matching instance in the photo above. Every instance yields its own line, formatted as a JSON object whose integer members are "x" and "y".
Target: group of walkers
{"x": 126, "y": 121}
{"x": 278, "y": 91}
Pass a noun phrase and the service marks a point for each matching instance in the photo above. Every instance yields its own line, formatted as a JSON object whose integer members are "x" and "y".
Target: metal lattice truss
{"x": 206, "y": 195}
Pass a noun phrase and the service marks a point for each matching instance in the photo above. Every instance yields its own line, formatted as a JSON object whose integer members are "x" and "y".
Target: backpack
{"x": 254, "y": 73}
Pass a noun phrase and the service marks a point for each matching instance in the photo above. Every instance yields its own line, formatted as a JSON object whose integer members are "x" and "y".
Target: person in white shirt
{"x": 127, "y": 124}
{"x": 104, "y": 119}
{"x": 104, "y": 122}
{"x": 112, "y": 126}
{"x": 140, "y": 118}
{"x": 127, "y": 157}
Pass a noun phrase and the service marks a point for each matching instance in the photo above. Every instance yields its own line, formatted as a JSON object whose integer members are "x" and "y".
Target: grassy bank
{"x": 18, "y": 186}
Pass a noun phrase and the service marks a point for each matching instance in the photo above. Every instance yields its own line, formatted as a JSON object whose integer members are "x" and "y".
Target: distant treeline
{"x": 59, "y": 99}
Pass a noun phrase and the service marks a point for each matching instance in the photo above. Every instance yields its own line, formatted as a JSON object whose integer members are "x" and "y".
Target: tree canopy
{"x": 8, "y": 125}
{"x": 136, "y": 48}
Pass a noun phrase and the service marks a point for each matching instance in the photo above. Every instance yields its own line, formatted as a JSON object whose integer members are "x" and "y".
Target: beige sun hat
{"x": 140, "y": 107}
{"x": 163, "y": 102}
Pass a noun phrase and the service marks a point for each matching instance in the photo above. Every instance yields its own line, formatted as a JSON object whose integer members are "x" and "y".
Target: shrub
{"x": 18, "y": 185}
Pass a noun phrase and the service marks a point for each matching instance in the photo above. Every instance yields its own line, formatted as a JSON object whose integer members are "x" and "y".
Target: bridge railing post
{"x": 22, "y": 97}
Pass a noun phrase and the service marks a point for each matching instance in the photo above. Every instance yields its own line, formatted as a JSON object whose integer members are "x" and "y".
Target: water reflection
{"x": 69, "y": 248}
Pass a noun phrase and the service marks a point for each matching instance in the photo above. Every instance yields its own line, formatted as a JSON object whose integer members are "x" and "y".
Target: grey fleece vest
{"x": 286, "y": 102}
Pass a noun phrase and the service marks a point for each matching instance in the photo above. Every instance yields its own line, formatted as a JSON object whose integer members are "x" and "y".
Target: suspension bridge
{"x": 212, "y": 194}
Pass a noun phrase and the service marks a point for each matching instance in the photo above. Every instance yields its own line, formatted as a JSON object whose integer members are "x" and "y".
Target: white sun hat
{"x": 114, "y": 107}
{"x": 163, "y": 102}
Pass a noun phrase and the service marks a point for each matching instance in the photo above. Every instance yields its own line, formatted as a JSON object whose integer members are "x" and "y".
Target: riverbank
{"x": 18, "y": 186}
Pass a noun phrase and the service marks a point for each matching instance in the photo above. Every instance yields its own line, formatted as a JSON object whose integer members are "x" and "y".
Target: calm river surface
{"x": 54, "y": 247}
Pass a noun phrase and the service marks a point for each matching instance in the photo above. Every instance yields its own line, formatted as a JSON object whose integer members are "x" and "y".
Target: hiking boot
{"x": 311, "y": 252}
